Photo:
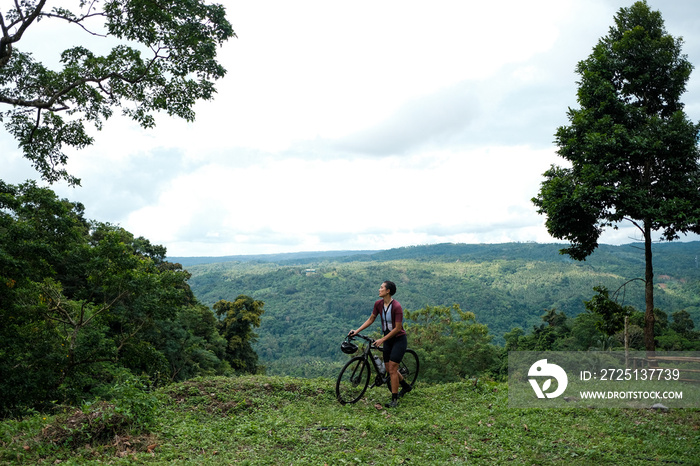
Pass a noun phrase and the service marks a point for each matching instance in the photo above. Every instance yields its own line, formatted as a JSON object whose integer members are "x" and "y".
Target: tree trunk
{"x": 648, "y": 292}
{"x": 627, "y": 342}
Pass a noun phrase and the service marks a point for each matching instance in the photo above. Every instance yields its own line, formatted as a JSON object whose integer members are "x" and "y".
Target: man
{"x": 394, "y": 339}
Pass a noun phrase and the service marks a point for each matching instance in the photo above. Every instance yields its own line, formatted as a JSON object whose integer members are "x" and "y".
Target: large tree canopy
{"x": 163, "y": 58}
{"x": 84, "y": 303}
{"x": 633, "y": 153}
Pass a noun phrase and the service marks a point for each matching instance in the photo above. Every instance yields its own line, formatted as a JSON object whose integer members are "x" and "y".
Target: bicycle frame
{"x": 380, "y": 378}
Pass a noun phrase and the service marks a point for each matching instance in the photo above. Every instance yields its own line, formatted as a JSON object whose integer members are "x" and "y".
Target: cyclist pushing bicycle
{"x": 394, "y": 339}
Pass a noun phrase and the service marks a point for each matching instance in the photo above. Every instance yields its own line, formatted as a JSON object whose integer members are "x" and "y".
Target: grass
{"x": 281, "y": 420}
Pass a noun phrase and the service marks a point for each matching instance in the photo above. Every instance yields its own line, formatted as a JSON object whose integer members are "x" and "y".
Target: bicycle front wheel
{"x": 353, "y": 380}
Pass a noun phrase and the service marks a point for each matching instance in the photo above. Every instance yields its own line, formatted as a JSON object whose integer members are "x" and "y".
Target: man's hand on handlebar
{"x": 372, "y": 341}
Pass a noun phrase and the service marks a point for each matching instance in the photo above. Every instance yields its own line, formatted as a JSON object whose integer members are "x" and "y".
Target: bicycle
{"x": 353, "y": 379}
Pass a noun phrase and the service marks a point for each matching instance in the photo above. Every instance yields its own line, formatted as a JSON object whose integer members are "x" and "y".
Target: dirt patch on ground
{"x": 101, "y": 427}
{"x": 237, "y": 394}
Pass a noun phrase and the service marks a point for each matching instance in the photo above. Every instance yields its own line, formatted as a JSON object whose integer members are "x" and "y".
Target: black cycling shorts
{"x": 395, "y": 348}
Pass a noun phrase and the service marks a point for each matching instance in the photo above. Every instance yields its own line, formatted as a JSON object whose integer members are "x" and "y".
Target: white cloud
{"x": 362, "y": 125}
{"x": 298, "y": 204}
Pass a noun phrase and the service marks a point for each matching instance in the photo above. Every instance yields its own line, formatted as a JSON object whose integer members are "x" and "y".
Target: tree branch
{"x": 36, "y": 103}
{"x": 56, "y": 319}
{"x": 58, "y": 307}
{"x": 129, "y": 336}
{"x": 104, "y": 308}
{"x": 78, "y": 21}
{"x": 50, "y": 104}
{"x": 25, "y": 21}
{"x": 633, "y": 222}
{"x": 624, "y": 287}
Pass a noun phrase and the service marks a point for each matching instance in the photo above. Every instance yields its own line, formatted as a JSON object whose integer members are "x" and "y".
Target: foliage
{"x": 82, "y": 302}
{"x": 129, "y": 408}
{"x": 591, "y": 331}
{"x": 611, "y": 312}
{"x": 163, "y": 58}
{"x": 237, "y": 320}
{"x": 276, "y": 420}
{"x": 450, "y": 345}
{"x": 307, "y": 314}
{"x": 633, "y": 152}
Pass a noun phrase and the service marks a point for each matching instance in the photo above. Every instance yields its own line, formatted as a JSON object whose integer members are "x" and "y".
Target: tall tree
{"x": 236, "y": 325}
{"x": 163, "y": 59}
{"x": 632, "y": 150}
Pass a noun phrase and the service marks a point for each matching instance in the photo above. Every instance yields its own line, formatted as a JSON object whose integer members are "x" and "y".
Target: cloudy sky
{"x": 359, "y": 125}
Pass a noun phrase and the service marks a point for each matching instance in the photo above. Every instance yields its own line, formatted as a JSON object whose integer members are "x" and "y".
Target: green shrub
{"x": 128, "y": 408}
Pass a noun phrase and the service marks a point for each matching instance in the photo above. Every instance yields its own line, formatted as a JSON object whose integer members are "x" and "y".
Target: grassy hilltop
{"x": 284, "y": 420}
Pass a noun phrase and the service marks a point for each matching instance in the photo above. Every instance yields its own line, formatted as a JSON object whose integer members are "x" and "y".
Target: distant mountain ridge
{"x": 484, "y": 251}
{"x": 280, "y": 257}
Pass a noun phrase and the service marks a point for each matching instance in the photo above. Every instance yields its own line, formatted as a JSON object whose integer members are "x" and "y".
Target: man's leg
{"x": 393, "y": 369}
{"x": 394, "y": 376}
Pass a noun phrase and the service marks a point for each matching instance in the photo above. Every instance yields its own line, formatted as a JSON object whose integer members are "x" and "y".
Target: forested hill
{"x": 313, "y": 299}
{"x": 281, "y": 258}
{"x": 665, "y": 254}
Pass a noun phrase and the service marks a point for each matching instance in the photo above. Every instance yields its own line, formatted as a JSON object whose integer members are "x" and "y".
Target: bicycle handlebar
{"x": 367, "y": 339}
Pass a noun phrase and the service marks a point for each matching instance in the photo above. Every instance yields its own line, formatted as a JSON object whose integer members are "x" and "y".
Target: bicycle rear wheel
{"x": 409, "y": 366}
{"x": 352, "y": 380}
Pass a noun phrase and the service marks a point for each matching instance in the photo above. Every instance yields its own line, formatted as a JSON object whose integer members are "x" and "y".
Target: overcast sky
{"x": 359, "y": 125}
